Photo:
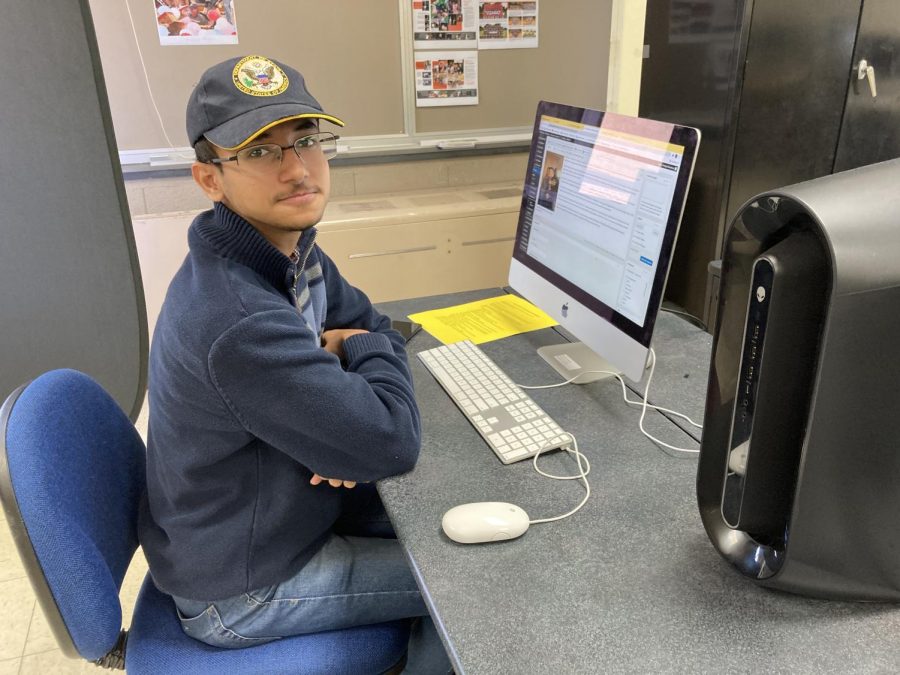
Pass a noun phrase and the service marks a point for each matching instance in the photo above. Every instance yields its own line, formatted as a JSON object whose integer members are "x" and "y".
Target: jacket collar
{"x": 232, "y": 237}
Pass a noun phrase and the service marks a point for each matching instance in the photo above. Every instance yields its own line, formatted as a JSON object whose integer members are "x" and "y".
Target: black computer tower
{"x": 798, "y": 481}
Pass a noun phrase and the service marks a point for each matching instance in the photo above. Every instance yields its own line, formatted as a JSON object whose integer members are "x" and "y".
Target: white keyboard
{"x": 512, "y": 424}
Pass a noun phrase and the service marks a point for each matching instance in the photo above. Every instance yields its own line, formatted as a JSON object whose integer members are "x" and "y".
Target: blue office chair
{"x": 72, "y": 469}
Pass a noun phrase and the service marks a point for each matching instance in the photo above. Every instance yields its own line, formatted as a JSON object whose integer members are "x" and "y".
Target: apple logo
{"x": 565, "y": 309}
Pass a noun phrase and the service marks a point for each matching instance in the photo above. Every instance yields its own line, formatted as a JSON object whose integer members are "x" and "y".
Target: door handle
{"x": 866, "y": 72}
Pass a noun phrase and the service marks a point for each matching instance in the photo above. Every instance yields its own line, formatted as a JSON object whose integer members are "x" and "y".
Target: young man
{"x": 274, "y": 387}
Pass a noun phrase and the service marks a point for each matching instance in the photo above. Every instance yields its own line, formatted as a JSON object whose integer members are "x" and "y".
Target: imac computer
{"x": 603, "y": 199}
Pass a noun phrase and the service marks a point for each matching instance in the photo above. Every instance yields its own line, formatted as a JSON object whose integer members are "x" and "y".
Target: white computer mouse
{"x": 484, "y": 521}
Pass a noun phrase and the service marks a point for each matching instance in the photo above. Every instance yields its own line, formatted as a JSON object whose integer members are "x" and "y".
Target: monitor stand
{"x": 571, "y": 358}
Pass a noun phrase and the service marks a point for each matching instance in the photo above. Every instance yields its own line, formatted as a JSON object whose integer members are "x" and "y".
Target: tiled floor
{"x": 26, "y": 643}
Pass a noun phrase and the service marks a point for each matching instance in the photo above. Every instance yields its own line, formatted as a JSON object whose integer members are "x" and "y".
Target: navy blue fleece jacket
{"x": 245, "y": 405}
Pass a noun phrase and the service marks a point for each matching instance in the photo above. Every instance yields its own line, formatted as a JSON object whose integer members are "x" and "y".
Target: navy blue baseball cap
{"x": 237, "y": 100}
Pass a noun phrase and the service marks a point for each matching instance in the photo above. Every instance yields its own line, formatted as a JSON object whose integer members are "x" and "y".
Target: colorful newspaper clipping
{"x": 196, "y": 23}
{"x": 446, "y": 78}
{"x": 445, "y": 24}
{"x": 507, "y": 25}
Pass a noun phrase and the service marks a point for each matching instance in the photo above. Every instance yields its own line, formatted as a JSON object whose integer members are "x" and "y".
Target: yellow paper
{"x": 483, "y": 320}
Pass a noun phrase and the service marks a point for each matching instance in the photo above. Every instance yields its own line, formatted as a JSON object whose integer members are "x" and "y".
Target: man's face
{"x": 288, "y": 198}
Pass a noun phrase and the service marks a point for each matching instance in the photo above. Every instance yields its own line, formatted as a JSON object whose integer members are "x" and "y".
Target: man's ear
{"x": 209, "y": 178}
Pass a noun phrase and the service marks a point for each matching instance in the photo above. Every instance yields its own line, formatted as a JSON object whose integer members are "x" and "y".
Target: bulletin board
{"x": 352, "y": 54}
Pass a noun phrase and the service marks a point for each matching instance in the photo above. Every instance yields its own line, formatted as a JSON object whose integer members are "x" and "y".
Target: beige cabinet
{"x": 417, "y": 245}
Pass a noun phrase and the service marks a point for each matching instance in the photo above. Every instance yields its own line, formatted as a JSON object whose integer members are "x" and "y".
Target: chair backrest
{"x": 72, "y": 295}
{"x": 72, "y": 470}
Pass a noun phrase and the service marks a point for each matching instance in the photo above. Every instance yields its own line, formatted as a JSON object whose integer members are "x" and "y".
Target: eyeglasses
{"x": 268, "y": 156}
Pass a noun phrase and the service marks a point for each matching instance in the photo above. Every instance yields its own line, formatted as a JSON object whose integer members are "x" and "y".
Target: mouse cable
{"x": 583, "y": 472}
{"x": 642, "y": 402}
{"x": 646, "y": 405}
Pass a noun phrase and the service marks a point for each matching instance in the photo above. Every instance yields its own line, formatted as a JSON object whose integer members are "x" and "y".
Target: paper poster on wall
{"x": 196, "y": 23}
{"x": 439, "y": 24}
{"x": 446, "y": 78}
{"x": 507, "y": 25}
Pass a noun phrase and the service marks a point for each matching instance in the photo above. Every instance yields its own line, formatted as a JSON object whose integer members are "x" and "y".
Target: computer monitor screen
{"x": 603, "y": 199}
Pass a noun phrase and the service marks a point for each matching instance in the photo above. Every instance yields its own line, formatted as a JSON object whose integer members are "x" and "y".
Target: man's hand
{"x": 333, "y": 482}
{"x": 333, "y": 340}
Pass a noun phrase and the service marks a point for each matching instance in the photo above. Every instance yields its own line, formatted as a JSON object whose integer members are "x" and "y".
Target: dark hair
{"x": 204, "y": 151}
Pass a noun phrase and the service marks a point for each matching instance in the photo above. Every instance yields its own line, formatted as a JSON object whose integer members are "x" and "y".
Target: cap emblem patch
{"x": 258, "y": 76}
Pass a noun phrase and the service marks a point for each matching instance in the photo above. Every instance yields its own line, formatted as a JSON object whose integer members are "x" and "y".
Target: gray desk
{"x": 630, "y": 583}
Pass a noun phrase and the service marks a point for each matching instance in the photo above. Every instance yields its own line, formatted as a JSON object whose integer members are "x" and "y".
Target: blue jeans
{"x": 360, "y": 576}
